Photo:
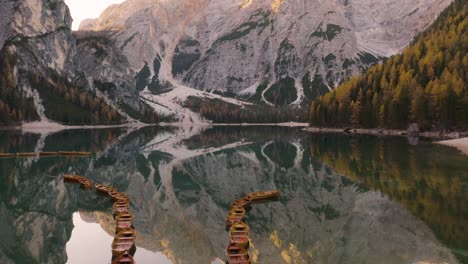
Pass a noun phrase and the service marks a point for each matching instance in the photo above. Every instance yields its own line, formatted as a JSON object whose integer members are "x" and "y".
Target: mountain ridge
{"x": 276, "y": 55}
{"x": 242, "y": 44}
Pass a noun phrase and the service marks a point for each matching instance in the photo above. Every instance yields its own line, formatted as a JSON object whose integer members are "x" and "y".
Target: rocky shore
{"x": 390, "y": 132}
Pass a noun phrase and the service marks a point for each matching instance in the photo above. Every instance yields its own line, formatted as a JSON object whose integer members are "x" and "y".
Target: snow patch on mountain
{"x": 171, "y": 103}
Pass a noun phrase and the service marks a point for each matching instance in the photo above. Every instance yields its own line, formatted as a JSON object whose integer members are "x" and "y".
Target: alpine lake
{"x": 344, "y": 198}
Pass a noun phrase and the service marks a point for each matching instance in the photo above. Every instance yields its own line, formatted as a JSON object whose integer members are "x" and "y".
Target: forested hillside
{"x": 426, "y": 84}
{"x": 62, "y": 101}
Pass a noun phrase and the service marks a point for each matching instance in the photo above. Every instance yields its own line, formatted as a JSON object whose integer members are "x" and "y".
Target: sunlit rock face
{"x": 45, "y": 26}
{"x": 294, "y": 47}
{"x": 40, "y": 31}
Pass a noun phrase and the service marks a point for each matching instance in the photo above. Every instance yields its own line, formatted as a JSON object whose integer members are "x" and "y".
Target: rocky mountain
{"x": 146, "y": 56}
{"x": 279, "y": 52}
{"x": 46, "y": 75}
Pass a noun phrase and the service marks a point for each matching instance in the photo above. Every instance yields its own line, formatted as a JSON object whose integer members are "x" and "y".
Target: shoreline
{"x": 51, "y": 127}
{"x": 460, "y": 144}
{"x": 209, "y": 124}
{"x": 47, "y": 127}
{"x": 389, "y": 132}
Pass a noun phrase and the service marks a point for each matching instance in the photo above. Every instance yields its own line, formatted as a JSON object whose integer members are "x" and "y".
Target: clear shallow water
{"x": 345, "y": 199}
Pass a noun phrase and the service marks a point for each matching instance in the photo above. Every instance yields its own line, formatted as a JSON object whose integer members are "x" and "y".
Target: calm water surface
{"x": 345, "y": 199}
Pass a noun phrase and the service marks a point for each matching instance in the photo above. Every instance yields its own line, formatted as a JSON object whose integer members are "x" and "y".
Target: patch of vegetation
{"x": 155, "y": 158}
{"x": 329, "y": 211}
{"x": 281, "y": 153}
{"x": 186, "y": 190}
{"x": 15, "y": 106}
{"x": 142, "y": 78}
{"x": 314, "y": 88}
{"x": 425, "y": 84}
{"x": 157, "y": 87}
{"x": 283, "y": 92}
{"x": 329, "y": 58}
{"x": 232, "y": 80}
{"x": 53, "y": 5}
{"x": 149, "y": 116}
{"x": 105, "y": 87}
{"x": 241, "y": 47}
{"x": 327, "y": 185}
{"x": 142, "y": 166}
{"x": 93, "y": 38}
{"x": 127, "y": 41}
{"x": 367, "y": 58}
{"x": 222, "y": 112}
{"x": 348, "y": 63}
{"x": 331, "y": 32}
{"x": 76, "y": 107}
{"x": 286, "y": 57}
{"x": 257, "y": 97}
{"x": 183, "y": 61}
{"x": 259, "y": 19}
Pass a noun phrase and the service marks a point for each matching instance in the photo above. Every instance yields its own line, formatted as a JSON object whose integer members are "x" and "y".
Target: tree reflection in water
{"x": 344, "y": 199}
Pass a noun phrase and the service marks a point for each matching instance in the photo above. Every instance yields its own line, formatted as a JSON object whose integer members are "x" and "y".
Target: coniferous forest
{"x": 63, "y": 102}
{"x": 426, "y": 84}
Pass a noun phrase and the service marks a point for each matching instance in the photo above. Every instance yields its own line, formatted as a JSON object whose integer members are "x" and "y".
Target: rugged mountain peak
{"x": 279, "y": 51}
{"x": 46, "y": 77}
{"x": 33, "y": 17}
{"x": 38, "y": 22}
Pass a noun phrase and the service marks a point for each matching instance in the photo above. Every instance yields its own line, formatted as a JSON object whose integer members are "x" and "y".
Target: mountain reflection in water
{"x": 344, "y": 199}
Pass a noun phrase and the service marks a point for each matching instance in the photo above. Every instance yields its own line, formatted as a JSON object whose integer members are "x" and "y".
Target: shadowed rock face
{"x": 181, "y": 185}
{"x": 36, "y": 42}
{"x": 229, "y": 46}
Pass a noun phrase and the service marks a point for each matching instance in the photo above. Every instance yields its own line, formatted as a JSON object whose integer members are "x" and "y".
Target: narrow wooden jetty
{"x": 26, "y": 154}
{"x": 7, "y": 155}
{"x": 123, "y": 246}
{"x": 125, "y": 258}
{"x": 237, "y": 250}
{"x": 265, "y": 195}
{"x": 45, "y": 154}
{"x": 237, "y": 254}
{"x": 120, "y": 206}
{"x": 123, "y": 242}
{"x": 103, "y": 188}
{"x": 235, "y": 215}
{"x": 48, "y": 154}
{"x": 74, "y": 153}
{"x": 242, "y": 202}
{"x": 239, "y": 234}
{"x": 123, "y": 220}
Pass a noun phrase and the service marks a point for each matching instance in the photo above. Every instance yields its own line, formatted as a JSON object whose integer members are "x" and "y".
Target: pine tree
{"x": 427, "y": 83}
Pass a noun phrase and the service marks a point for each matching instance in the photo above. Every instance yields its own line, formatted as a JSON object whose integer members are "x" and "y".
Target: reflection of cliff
{"x": 181, "y": 183}
{"x": 428, "y": 180}
{"x": 35, "y": 207}
{"x": 181, "y": 198}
